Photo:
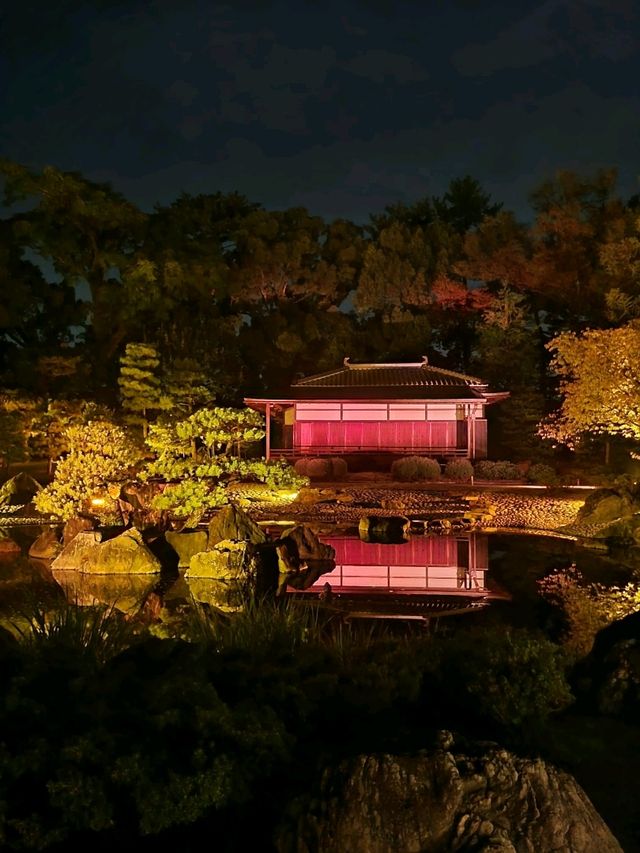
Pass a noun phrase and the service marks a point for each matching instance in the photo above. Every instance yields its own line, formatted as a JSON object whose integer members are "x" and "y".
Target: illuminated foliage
{"x": 599, "y": 384}
{"x": 100, "y": 455}
{"x": 194, "y": 456}
{"x": 139, "y": 381}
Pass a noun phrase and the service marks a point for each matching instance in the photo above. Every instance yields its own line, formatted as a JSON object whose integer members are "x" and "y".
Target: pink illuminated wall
{"x": 380, "y": 434}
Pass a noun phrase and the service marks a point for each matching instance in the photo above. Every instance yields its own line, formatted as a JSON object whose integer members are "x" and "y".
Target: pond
{"x": 426, "y": 576}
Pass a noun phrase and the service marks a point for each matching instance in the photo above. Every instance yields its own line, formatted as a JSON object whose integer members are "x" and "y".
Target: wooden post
{"x": 268, "y": 430}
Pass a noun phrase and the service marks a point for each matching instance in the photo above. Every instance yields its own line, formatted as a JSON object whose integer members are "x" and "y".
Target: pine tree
{"x": 139, "y": 381}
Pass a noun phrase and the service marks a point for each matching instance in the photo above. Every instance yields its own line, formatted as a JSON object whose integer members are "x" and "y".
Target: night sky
{"x": 341, "y": 107}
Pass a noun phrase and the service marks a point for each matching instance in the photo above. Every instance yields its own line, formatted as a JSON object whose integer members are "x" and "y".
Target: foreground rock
{"x": 308, "y": 545}
{"x": 226, "y": 561}
{"x": 125, "y": 554}
{"x": 47, "y": 545}
{"x": 73, "y": 556}
{"x": 78, "y": 524}
{"x": 445, "y": 800}
{"x": 231, "y": 523}
{"x": 186, "y": 544}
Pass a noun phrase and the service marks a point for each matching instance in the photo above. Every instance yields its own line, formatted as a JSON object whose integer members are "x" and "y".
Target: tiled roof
{"x": 417, "y": 380}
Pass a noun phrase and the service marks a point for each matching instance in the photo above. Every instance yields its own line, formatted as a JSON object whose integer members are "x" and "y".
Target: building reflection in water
{"x": 446, "y": 565}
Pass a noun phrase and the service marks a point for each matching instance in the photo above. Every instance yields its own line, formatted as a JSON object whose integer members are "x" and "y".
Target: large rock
{"x": 232, "y": 523}
{"x": 446, "y": 800}
{"x": 226, "y": 561}
{"x": 186, "y": 544}
{"x": 125, "y": 554}
{"x": 47, "y": 545}
{"x": 73, "y": 556}
{"x": 610, "y": 514}
{"x": 308, "y": 544}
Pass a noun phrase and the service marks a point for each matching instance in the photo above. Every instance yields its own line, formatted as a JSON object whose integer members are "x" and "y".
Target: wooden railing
{"x": 341, "y": 450}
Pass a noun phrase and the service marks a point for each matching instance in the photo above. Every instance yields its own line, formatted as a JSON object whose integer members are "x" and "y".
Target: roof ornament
{"x": 346, "y": 361}
{"x": 425, "y": 360}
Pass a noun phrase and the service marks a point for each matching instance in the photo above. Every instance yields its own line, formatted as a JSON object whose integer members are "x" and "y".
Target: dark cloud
{"x": 343, "y": 106}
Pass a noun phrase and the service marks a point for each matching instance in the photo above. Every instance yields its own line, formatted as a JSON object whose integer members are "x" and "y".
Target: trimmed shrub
{"x": 322, "y": 468}
{"x": 542, "y": 475}
{"x": 458, "y": 469}
{"x": 339, "y": 468}
{"x": 486, "y": 469}
{"x": 412, "y": 468}
{"x": 315, "y": 468}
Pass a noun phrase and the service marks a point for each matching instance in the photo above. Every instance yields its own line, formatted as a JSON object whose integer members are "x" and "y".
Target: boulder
{"x": 308, "y": 544}
{"x": 73, "y": 555}
{"x": 231, "y": 523}
{"x": 226, "y": 561}
{"x": 19, "y": 490}
{"x": 124, "y": 554}
{"x": 610, "y": 514}
{"x": 288, "y": 556}
{"x": 78, "y": 524}
{"x": 47, "y": 545}
{"x": 384, "y": 528}
{"x": 186, "y": 544}
{"x": 445, "y": 799}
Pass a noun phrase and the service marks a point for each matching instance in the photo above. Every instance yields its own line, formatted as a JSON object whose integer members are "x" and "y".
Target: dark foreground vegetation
{"x": 111, "y": 734}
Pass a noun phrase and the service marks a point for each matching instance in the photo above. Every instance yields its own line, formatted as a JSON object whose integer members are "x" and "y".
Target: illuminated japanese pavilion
{"x": 403, "y": 408}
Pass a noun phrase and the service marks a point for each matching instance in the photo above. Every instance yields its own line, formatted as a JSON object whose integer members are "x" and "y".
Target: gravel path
{"x": 488, "y": 509}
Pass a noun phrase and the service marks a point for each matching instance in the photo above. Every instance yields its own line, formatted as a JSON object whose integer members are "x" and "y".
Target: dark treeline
{"x": 256, "y": 297}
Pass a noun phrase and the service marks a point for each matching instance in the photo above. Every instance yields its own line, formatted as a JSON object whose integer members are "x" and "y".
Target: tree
{"x": 87, "y": 231}
{"x": 101, "y": 455}
{"x": 187, "y": 386}
{"x": 194, "y": 457}
{"x": 465, "y": 204}
{"x": 576, "y": 216}
{"x": 599, "y": 373}
{"x": 139, "y": 381}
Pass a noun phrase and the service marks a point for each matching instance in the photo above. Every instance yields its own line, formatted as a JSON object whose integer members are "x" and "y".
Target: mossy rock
{"x": 125, "y": 554}
{"x": 225, "y": 561}
{"x": 73, "y": 555}
{"x": 186, "y": 544}
{"x": 231, "y": 523}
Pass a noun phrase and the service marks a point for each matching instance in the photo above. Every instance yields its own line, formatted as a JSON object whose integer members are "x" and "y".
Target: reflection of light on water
{"x": 423, "y": 565}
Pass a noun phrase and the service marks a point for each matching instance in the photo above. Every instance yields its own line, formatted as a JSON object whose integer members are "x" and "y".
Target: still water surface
{"x": 446, "y": 573}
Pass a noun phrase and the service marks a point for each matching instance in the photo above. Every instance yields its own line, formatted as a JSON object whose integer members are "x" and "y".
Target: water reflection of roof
{"x": 403, "y": 606}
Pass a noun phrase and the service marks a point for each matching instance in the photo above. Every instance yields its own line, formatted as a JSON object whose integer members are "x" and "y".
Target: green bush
{"x": 512, "y": 677}
{"x": 487, "y": 469}
{"x": 458, "y": 469}
{"x": 542, "y": 475}
{"x": 413, "y": 468}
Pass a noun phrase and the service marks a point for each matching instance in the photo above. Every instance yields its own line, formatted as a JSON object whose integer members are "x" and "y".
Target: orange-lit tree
{"x": 599, "y": 373}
